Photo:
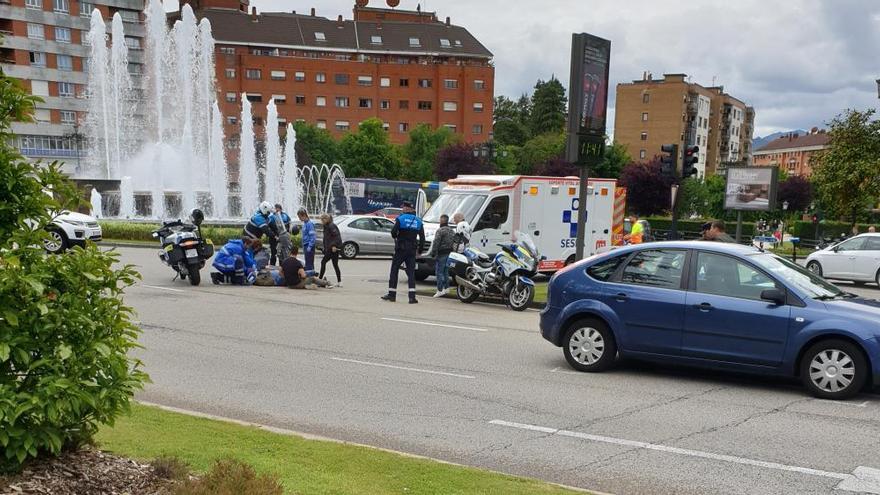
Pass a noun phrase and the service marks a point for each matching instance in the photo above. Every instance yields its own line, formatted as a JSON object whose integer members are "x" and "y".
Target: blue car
{"x": 714, "y": 305}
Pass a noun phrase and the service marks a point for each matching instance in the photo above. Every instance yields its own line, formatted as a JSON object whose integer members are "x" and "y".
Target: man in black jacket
{"x": 409, "y": 239}
{"x": 444, "y": 241}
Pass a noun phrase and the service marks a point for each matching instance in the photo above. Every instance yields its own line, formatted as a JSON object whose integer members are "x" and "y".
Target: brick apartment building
{"x": 652, "y": 112}
{"x": 793, "y": 153}
{"x": 404, "y": 67}
{"x": 45, "y": 47}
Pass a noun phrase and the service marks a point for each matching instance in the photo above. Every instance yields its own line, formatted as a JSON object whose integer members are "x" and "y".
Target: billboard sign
{"x": 588, "y": 104}
{"x": 751, "y": 188}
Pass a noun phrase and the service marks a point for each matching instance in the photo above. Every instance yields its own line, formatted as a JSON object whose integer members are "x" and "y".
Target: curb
{"x": 132, "y": 244}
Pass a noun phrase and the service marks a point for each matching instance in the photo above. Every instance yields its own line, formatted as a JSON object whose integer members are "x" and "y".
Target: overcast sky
{"x": 798, "y": 62}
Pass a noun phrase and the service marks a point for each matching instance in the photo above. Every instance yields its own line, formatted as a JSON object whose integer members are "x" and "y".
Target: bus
{"x": 371, "y": 195}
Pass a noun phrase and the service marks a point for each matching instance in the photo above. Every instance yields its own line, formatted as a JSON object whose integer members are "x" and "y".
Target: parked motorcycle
{"x": 183, "y": 247}
{"x": 508, "y": 275}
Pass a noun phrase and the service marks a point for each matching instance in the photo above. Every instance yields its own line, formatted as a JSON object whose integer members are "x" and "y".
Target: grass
{"x": 540, "y": 293}
{"x": 303, "y": 466}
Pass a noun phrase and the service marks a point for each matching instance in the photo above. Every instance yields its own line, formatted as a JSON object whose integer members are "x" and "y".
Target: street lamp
{"x": 784, "y": 212}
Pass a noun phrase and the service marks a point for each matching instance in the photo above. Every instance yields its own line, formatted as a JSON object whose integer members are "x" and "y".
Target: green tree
{"x": 420, "y": 152}
{"x": 548, "y": 107}
{"x": 539, "y": 150}
{"x": 616, "y": 157}
{"x": 847, "y": 174}
{"x": 368, "y": 152}
{"x": 510, "y": 132}
{"x": 693, "y": 198}
{"x": 315, "y": 146}
{"x": 64, "y": 332}
{"x": 505, "y": 109}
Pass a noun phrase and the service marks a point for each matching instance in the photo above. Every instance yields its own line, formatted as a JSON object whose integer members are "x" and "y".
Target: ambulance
{"x": 546, "y": 208}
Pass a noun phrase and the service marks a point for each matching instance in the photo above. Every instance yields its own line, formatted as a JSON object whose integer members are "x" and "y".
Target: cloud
{"x": 798, "y": 62}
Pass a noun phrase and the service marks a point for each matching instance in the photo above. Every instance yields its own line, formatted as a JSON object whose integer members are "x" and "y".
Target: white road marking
{"x": 430, "y": 324}
{"x": 862, "y": 480}
{"x": 404, "y": 368}
{"x": 559, "y": 369}
{"x": 162, "y": 288}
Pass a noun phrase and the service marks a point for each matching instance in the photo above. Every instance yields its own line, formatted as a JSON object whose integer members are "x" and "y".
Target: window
{"x": 425, "y": 83}
{"x": 364, "y": 224}
{"x": 280, "y": 99}
{"x": 34, "y": 4}
{"x": 341, "y": 79}
{"x": 300, "y": 99}
{"x": 299, "y": 76}
{"x": 385, "y": 82}
{"x": 254, "y": 97}
{"x": 477, "y": 129}
{"x": 458, "y": 43}
{"x": 66, "y": 89}
{"x": 365, "y": 103}
{"x": 450, "y": 106}
{"x": 495, "y": 215}
{"x": 62, "y": 34}
{"x": 450, "y": 83}
{"x": 62, "y": 6}
{"x": 258, "y": 121}
{"x": 320, "y": 77}
{"x": 64, "y": 62}
{"x": 342, "y": 102}
{"x": 725, "y": 276}
{"x": 644, "y": 116}
{"x": 43, "y": 115}
{"x": 227, "y": 50}
{"x": 385, "y": 104}
{"x": 644, "y": 136}
{"x": 643, "y": 154}
{"x": 230, "y": 73}
{"x": 36, "y": 31}
{"x": 604, "y": 270}
{"x": 404, "y": 83}
{"x": 646, "y": 98}
{"x": 655, "y": 268}
{"x": 342, "y": 125}
{"x": 445, "y": 43}
{"x": 872, "y": 244}
{"x": 68, "y": 117}
{"x": 132, "y": 43}
{"x": 253, "y": 74}
{"x": 451, "y": 127}
{"x": 478, "y": 107}
{"x": 854, "y": 244}
{"x": 403, "y": 127}
{"x": 319, "y": 36}
{"x": 231, "y": 97}
{"x": 321, "y": 124}
{"x": 479, "y": 84}
{"x": 40, "y": 88}
{"x": 278, "y": 75}
{"x": 403, "y": 105}
{"x": 415, "y": 42}
{"x": 365, "y": 80}
{"x": 85, "y": 9}
{"x": 424, "y": 105}
{"x": 321, "y": 101}
{"x": 375, "y": 40}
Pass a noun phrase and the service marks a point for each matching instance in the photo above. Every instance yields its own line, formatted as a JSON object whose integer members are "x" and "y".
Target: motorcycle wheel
{"x": 520, "y": 298}
{"x": 195, "y": 277}
{"x": 465, "y": 294}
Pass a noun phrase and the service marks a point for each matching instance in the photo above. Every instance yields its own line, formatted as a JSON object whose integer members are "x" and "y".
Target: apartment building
{"x": 652, "y": 112}
{"x": 45, "y": 46}
{"x": 793, "y": 152}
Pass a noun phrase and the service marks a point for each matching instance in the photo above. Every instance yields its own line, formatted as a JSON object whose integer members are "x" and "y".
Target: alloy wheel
{"x": 832, "y": 370}
{"x": 54, "y": 242}
{"x": 587, "y": 346}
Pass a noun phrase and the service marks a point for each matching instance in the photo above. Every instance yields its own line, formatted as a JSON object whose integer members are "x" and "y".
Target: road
{"x": 477, "y": 385}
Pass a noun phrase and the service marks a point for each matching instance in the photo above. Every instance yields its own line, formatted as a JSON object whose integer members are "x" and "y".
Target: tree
{"x": 548, "y": 107}
{"x": 368, "y": 152}
{"x": 421, "y": 151}
{"x": 539, "y": 150}
{"x": 459, "y": 159}
{"x": 558, "y": 167}
{"x": 510, "y": 132}
{"x": 505, "y": 109}
{"x": 616, "y": 157}
{"x": 847, "y": 174}
{"x": 797, "y": 191}
{"x": 692, "y": 198}
{"x": 648, "y": 190}
{"x": 314, "y": 146}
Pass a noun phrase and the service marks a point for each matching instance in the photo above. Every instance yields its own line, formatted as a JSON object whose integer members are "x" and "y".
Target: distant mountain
{"x": 759, "y": 142}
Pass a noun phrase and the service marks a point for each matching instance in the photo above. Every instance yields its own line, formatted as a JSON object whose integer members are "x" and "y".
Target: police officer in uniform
{"x": 409, "y": 239}
{"x": 259, "y": 224}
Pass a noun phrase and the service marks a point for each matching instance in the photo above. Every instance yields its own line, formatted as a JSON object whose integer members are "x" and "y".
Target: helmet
{"x": 196, "y": 216}
{"x": 463, "y": 228}
{"x": 265, "y": 207}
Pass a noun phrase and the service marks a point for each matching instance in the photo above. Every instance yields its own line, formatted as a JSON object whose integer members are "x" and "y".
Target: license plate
{"x": 192, "y": 253}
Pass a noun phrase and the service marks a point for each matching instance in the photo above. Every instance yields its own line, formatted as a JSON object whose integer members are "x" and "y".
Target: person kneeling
{"x": 295, "y": 273}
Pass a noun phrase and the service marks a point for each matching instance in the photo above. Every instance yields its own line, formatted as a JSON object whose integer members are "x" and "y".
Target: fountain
{"x": 290, "y": 175}
{"x": 97, "y": 203}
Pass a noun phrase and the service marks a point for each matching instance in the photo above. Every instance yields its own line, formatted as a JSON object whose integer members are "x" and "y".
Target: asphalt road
{"x": 477, "y": 385}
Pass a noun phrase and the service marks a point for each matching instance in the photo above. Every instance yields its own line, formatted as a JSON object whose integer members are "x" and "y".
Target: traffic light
{"x": 669, "y": 159}
{"x": 691, "y": 157}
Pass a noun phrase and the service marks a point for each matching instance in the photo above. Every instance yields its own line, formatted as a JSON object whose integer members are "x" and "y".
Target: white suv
{"x": 70, "y": 229}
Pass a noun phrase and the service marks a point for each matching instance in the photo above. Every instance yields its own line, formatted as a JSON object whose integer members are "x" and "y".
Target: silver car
{"x": 362, "y": 234}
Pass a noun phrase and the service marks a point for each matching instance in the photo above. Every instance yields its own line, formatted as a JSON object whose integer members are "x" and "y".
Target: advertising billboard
{"x": 588, "y": 89}
{"x": 751, "y": 188}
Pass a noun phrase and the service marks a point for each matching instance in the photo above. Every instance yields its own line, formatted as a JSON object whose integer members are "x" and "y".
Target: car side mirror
{"x": 775, "y": 296}
{"x": 835, "y": 248}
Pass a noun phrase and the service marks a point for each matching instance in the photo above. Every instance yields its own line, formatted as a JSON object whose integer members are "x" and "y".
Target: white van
{"x": 497, "y": 206}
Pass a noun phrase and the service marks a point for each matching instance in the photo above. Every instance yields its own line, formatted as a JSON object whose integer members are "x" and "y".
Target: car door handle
{"x": 505, "y": 233}
{"x": 621, "y": 297}
{"x": 537, "y": 232}
{"x": 704, "y": 307}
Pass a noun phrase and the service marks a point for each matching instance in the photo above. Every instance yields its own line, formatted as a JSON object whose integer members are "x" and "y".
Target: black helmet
{"x": 196, "y": 216}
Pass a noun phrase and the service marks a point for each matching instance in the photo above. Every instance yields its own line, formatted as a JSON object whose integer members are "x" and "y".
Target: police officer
{"x": 279, "y": 221}
{"x": 409, "y": 239}
{"x": 259, "y": 225}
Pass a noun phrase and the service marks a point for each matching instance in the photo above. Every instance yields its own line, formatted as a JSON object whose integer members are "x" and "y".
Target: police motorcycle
{"x": 508, "y": 275}
{"x": 183, "y": 247}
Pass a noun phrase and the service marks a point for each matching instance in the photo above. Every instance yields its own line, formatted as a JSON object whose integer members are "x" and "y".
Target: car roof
{"x": 720, "y": 247}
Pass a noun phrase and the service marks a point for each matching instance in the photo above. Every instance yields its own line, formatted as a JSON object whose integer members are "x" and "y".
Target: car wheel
{"x": 877, "y": 278}
{"x": 834, "y": 369}
{"x": 350, "y": 250}
{"x": 56, "y": 242}
{"x": 589, "y": 346}
{"x": 815, "y": 268}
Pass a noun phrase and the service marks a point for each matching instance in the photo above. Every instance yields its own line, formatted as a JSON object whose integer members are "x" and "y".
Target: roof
{"x": 820, "y": 139}
{"x": 280, "y": 29}
{"x": 720, "y": 247}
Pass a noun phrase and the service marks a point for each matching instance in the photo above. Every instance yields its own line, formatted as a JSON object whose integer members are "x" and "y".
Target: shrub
{"x": 121, "y": 230}
{"x": 64, "y": 331}
{"x": 231, "y": 477}
{"x": 170, "y": 468}
{"x": 692, "y": 228}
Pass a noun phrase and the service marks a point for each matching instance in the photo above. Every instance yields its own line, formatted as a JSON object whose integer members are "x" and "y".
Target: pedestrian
{"x": 444, "y": 241}
{"x": 409, "y": 239}
{"x": 280, "y": 223}
{"x": 716, "y": 231}
{"x": 872, "y": 230}
{"x": 462, "y": 237}
{"x": 234, "y": 263}
{"x": 637, "y": 231}
{"x": 295, "y": 275}
{"x": 309, "y": 239}
{"x": 332, "y": 247}
{"x": 259, "y": 226}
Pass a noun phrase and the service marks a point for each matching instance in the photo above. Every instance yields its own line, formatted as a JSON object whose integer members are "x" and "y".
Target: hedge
{"x": 134, "y": 231}
{"x": 807, "y": 230}
{"x": 695, "y": 226}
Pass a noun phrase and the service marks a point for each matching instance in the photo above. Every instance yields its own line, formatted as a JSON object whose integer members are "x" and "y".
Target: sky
{"x": 798, "y": 62}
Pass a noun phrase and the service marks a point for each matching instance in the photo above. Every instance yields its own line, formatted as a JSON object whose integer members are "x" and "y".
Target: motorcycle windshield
{"x": 526, "y": 242}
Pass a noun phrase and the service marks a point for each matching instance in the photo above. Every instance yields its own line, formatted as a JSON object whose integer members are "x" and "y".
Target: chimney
{"x": 254, "y": 14}
{"x": 339, "y": 20}
{"x": 313, "y": 12}
{"x": 448, "y": 21}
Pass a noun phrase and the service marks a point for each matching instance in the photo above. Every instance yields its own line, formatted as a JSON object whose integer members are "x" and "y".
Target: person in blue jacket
{"x": 259, "y": 224}
{"x": 409, "y": 240}
{"x": 279, "y": 221}
{"x": 309, "y": 240}
{"x": 235, "y": 264}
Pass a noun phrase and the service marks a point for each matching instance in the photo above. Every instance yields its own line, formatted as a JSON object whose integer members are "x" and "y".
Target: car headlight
{"x": 74, "y": 223}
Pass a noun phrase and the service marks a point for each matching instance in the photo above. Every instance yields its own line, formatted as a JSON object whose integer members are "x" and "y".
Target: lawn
{"x": 304, "y": 466}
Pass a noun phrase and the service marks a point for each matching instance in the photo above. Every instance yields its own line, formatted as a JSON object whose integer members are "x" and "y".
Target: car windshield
{"x": 794, "y": 275}
{"x": 450, "y": 204}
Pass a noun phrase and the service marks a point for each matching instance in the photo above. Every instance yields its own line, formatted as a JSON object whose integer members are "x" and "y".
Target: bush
{"x": 231, "y": 477}
{"x": 807, "y": 230}
{"x": 64, "y": 331}
{"x": 120, "y": 230}
{"x": 170, "y": 468}
{"x": 695, "y": 226}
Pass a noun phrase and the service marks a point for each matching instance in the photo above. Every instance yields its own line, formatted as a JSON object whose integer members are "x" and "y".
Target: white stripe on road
{"x": 404, "y": 368}
{"x": 162, "y": 288}
{"x": 430, "y": 324}
{"x": 862, "y": 479}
